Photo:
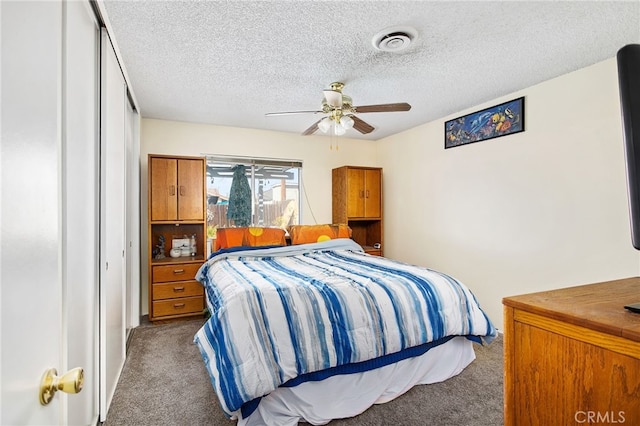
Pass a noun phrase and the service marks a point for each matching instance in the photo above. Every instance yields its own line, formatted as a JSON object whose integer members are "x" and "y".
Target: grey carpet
{"x": 164, "y": 382}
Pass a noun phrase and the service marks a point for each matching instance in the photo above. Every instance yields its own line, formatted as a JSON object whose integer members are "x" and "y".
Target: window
{"x": 275, "y": 191}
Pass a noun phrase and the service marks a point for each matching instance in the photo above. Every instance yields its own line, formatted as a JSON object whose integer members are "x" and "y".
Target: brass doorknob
{"x": 69, "y": 382}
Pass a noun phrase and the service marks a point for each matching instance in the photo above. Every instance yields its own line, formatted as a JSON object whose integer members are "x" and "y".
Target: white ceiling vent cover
{"x": 394, "y": 39}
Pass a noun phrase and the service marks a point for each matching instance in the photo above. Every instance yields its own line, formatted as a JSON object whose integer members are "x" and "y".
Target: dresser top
{"x": 597, "y": 306}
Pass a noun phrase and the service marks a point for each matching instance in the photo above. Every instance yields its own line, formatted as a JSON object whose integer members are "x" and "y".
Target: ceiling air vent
{"x": 394, "y": 39}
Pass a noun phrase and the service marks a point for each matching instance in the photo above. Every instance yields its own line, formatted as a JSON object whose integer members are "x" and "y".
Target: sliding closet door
{"x": 112, "y": 224}
{"x": 132, "y": 121}
{"x": 81, "y": 153}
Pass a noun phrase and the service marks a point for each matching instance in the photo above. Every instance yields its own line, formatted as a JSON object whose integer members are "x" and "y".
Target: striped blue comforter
{"x": 283, "y": 313}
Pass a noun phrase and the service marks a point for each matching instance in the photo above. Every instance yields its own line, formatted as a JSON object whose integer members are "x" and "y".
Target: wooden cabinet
{"x": 572, "y": 356}
{"x": 363, "y": 198}
{"x": 176, "y": 210}
{"x": 176, "y": 189}
{"x": 357, "y": 201}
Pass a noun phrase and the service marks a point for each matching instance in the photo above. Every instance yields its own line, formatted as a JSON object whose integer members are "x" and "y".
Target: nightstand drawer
{"x": 167, "y": 273}
{"x": 177, "y": 289}
{"x": 184, "y": 305}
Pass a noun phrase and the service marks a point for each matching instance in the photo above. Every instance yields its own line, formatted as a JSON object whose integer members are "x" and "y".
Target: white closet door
{"x": 81, "y": 150}
{"x": 133, "y": 217}
{"x": 112, "y": 225}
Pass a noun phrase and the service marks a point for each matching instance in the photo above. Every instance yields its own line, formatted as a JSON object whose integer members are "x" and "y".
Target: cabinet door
{"x": 372, "y": 193}
{"x": 190, "y": 190}
{"x": 164, "y": 191}
{"x": 355, "y": 192}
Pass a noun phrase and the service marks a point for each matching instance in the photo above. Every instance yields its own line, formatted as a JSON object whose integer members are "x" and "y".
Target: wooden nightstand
{"x": 174, "y": 290}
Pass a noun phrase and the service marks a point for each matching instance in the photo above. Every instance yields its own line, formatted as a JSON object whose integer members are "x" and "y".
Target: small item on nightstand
{"x": 376, "y": 246}
{"x": 160, "y": 247}
{"x": 635, "y": 308}
{"x": 180, "y": 242}
{"x": 192, "y": 243}
{"x": 175, "y": 252}
{"x": 183, "y": 245}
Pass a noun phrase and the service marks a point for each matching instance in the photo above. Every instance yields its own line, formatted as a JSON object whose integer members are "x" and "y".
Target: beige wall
{"x": 532, "y": 211}
{"x": 179, "y": 138}
{"x": 537, "y": 210}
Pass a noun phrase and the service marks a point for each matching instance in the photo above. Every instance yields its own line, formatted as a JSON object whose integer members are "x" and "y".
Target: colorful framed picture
{"x": 499, "y": 120}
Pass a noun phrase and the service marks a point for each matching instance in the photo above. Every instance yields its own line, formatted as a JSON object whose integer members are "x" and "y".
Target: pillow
{"x": 248, "y": 236}
{"x": 304, "y": 234}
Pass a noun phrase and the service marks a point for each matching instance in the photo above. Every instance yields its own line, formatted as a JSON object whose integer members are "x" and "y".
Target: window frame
{"x": 252, "y": 163}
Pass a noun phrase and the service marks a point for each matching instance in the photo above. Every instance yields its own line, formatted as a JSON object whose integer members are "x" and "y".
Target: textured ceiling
{"x": 230, "y": 62}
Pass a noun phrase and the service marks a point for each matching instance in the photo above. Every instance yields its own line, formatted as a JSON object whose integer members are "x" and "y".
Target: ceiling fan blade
{"x": 272, "y": 114}
{"x": 312, "y": 129}
{"x": 401, "y": 106}
{"x": 362, "y": 126}
{"x": 333, "y": 98}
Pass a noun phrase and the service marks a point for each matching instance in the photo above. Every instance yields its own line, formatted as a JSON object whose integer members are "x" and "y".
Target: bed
{"x": 317, "y": 331}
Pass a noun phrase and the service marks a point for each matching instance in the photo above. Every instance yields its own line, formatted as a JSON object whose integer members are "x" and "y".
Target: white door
{"x": 48, "y": 216}
{"x": 132, "y": 162}
{"x": 112, "y": 225}
{"x": 81, "y": 198}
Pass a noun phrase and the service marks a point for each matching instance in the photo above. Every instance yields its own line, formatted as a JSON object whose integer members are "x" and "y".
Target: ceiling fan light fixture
{"x": 325, "y": 124}
{"x": 333, "y": 98}
{"x": 394, "y": 39}
{"x": 346, "y": 122}
{"x": 345, "y": 116}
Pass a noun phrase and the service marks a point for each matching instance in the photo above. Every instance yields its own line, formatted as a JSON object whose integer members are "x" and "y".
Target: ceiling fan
{"x": 341, "y": 113}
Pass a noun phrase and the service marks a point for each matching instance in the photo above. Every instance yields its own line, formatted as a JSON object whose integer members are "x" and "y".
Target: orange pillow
{"x": 248, "y": 236}
{"x": 304, "y": 234}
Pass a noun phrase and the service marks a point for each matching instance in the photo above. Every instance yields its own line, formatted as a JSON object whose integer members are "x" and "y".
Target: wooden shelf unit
{"x": 177, "y": 209}
{"x": 572, "y": 356}
{"x": 357, "y": 201}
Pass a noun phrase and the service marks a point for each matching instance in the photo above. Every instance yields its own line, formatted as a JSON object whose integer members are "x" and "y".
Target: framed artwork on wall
{"x": 499, "y": 120}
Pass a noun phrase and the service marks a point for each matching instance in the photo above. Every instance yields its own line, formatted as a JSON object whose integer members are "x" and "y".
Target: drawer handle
{"x": 178, "y": 305}
{"x": 178, "y": 271}
{"x": 172, "y": 190}
{"x": 178, "y": 289}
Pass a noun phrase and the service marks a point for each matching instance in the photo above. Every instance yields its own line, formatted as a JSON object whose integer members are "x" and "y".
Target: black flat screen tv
{"x": 628, "y": 59}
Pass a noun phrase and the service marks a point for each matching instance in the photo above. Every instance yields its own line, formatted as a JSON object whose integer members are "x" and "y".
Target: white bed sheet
{"x": 348, "y": 395}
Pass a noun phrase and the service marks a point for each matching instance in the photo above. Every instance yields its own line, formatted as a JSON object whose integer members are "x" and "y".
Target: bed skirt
{"x": 348, "y": 395}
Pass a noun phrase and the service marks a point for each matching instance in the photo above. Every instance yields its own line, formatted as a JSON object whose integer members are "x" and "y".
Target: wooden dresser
{"x": 357, "y": 201}
{"x": 572, "y": 356}
{"x": 176, "y": 210}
